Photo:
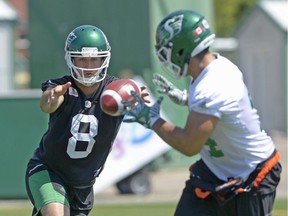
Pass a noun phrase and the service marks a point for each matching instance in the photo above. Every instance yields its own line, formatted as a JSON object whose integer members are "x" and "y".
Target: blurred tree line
{"x": 228, "y": 13}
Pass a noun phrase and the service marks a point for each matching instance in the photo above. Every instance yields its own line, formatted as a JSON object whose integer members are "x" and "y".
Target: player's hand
{"x": 165, "y": 87}
{"x": 57, "y": 91}
{"x": 144, "y": 94}
{"x": 140, "y": 112}
{"x": 53, "y": 97}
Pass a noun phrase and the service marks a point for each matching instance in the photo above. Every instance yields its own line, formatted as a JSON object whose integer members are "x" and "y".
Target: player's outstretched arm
{"x": 188, "y": 140}
{"x": 165, "y": 87}
{"x": 53, "y": 97}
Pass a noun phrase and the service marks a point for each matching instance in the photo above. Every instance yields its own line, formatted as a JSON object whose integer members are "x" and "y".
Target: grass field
{"x": 151, "y": 209}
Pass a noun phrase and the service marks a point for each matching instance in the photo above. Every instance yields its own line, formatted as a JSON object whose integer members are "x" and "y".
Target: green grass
{"x": 280, "y": 207}
{"x": 151, "y": 209}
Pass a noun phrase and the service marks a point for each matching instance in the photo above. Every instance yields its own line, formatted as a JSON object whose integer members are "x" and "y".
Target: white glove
{"x": 176, "y": 95}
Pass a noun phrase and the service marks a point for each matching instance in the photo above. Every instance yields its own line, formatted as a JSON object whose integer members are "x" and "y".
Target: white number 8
{"x": 88, "y": 136}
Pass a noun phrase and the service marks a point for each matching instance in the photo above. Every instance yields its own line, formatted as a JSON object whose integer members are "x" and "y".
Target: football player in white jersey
{"x": 239, "y": 168}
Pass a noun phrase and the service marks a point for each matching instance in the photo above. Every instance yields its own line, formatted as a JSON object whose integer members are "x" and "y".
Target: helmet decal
{"x": 171, "y": 28}
{"x": 205, "y": 24}
{"x": 70, "y": 39}
{"x": 89, "y": 51}
{"x": 200, "y": 29}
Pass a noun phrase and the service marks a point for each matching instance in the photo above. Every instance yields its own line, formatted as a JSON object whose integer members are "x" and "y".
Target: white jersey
{"x": 238, "y": 143}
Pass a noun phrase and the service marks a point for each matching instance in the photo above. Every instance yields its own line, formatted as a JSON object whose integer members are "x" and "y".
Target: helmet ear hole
{"x": 180, "y": 52}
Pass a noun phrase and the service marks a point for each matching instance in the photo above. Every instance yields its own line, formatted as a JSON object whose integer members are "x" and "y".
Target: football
{"x": 115, "y": 92}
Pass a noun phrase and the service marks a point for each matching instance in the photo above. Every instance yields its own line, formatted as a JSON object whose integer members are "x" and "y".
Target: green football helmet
{"x": 179, "y": 36}
{"x": 87, "y": 41}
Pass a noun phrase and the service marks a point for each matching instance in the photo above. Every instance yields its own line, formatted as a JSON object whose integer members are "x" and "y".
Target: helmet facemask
{"x": 78, "y": 73}
{"x": 164, "y": 55}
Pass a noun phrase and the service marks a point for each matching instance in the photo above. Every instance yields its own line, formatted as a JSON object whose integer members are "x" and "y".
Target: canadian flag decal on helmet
{"x": 198, "y": 30}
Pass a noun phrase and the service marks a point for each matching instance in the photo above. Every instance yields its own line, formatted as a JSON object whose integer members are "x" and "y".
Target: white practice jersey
{"x": 238, "y": 143}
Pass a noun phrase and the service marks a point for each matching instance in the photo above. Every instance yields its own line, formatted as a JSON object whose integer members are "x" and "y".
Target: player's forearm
{"x": 176, "y": 137}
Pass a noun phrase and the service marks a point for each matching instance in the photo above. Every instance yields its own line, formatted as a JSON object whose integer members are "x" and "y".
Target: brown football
{"x": 115, "y": 92}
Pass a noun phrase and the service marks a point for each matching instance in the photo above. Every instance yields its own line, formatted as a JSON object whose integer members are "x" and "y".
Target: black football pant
{"x": 257, "y": 202}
